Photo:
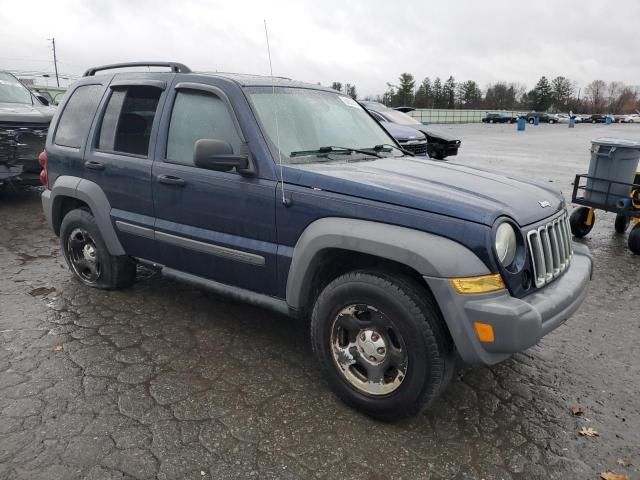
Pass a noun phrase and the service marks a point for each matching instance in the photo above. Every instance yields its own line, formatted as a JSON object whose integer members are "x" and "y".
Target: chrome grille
{"x": 550, "y": 249}
{"x": 417, "y": 148}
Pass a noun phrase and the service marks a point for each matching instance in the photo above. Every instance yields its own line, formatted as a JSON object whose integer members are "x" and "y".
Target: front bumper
{"x": 518, "y": 323}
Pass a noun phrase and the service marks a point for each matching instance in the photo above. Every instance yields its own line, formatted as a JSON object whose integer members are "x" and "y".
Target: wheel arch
{"x": 343, "y": 241}
{"x": 70, "y": 192}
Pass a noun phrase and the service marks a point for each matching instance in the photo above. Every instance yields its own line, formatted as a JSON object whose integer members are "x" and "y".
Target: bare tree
{"x": 595, "y": 93}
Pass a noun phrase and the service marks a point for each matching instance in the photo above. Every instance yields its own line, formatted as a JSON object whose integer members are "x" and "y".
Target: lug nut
{"x": 380, "y": 350}
{"x": 363, "y": 337}
{"x": 375, "y": 337}
{"x": 372, "y": 358}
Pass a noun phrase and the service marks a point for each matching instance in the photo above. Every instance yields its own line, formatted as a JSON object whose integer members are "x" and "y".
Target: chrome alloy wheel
{"x": 368, "y": 350}
{"x": 83, "y": 255}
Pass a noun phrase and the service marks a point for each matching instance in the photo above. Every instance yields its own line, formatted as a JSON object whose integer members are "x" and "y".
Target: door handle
{"x": 94, "y": 165}
{"x": 171, "y": 180}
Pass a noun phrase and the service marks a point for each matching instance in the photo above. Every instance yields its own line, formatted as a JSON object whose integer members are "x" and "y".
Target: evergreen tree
{"x": 541, "y": 95}
{"x": 424, "y": 95}
{"x": 437, "y": 94}
{"x": 405, "y": 89}
{"x": 449, "y": 93}
{"x": 469, "y": 94}
{"x": 337, "y": 86}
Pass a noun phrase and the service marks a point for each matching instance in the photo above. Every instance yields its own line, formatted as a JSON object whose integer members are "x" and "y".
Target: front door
{"x": 214, "y": 224}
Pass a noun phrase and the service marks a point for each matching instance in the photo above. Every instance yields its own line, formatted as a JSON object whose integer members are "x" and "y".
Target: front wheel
{"x": 382, "y": 343}
{"x": 87, "y": 254}
{"x": 579, "y": 221}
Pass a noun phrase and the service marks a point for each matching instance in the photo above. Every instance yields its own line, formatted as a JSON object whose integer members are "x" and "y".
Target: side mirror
{"x": 218, "y": 155}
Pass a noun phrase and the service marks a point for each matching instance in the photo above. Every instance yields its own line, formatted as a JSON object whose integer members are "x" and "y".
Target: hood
{"x": 444, "y": 188}
{"x": 30, "y": 114}
{"x": 402, "y": 133}
{"x": 436, "y": 135}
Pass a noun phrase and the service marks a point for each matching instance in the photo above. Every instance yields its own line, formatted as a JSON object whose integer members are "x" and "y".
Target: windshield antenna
{"x": 285, "y": 202}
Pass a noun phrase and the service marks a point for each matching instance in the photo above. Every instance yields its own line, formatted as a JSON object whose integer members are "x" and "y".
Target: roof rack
{"x": 174, "y": 66}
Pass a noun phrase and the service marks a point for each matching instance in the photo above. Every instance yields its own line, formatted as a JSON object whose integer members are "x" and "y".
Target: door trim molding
{"x": 190, "y": 244}
{"x": 135, "y": 229}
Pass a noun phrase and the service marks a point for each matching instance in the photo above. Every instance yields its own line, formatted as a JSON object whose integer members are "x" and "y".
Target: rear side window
{"x": 73, "y": 126}
{"x": 128, "y": 118}
{"x": 195, "y": 116}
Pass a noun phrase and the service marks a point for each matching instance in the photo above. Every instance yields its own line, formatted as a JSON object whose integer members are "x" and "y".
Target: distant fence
{"x": 442, "y": 115}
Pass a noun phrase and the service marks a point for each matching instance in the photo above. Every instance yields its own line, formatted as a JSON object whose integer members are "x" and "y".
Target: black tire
{"x": 418, "y": 324}
{"x": 552, "y": 122}
{"x": 578, "y": 219}
{"x": 634, "y": 239}
{"x": 594, "y": 121}
{"x": 531, "y": 121}
{"x": 112, "y": 272}
{"x": 491, "y": 121}
{"x": 622, "y": 223}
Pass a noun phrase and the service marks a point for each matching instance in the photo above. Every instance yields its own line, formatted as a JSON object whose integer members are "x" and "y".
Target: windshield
{"x": 396, "y": 116}
{"x": 12, "y": 91}
{"x": 311, "y": 120}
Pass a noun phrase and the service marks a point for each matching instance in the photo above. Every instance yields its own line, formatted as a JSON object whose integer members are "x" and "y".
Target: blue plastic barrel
{"x": 572, "y": 122}
{"x": 522, "y": 124}
{"x": 536, "y": 120}
{"x": 608, "y": 120}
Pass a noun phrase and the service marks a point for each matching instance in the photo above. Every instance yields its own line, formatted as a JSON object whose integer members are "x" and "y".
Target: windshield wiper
{"x": 323, "y": 151}
{"x": 381, "y": 148}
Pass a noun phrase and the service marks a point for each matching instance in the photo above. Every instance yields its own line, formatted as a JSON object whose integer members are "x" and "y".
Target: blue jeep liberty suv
{"x": 291, "y": 196}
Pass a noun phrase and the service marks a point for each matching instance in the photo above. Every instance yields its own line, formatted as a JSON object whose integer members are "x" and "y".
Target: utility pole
{"x": 55, "y": 60}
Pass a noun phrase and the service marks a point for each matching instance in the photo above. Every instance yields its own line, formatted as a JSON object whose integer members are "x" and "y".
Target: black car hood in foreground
{"x": 28, "y": 114}
{"x": 444, "y": 188}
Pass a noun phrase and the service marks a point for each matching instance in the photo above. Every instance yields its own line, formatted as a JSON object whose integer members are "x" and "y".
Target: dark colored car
{"x": 408, "y": 138}
{"x": 439, "y": 145}
{"x": 291, "y": 196}
{"x": 24, "y": 122}
{"x": 597, "y": 118}
{"x": 499, "y": 117}
{"x": 542, "y": 116}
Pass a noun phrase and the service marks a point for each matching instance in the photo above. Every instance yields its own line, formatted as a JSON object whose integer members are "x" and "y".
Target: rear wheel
{"x": 87, "y": 254}
{"x": 382, "y": 343}
{"x": 634, "y": 239}
{"x": 622, "y": 223}
{"x": 531, "y": 121}
{"x": 578, "y": 221}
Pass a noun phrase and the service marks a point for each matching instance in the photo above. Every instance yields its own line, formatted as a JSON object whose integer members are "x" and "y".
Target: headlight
{"x": 506, "y": 244}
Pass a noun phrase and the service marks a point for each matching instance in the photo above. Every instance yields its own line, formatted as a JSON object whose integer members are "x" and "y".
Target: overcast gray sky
{"x": 367, "y": 43}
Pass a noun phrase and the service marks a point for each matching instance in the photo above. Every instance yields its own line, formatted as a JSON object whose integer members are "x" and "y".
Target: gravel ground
{"x": 167, "y": 381}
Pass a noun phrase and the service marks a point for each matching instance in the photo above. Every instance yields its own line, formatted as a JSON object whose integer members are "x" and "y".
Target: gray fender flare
{"x": 429, "y": 254}
{"x": 91, "y": 194}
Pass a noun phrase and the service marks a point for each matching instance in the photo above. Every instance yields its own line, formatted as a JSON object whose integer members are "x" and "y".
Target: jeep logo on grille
{"x": 544, "y": 203}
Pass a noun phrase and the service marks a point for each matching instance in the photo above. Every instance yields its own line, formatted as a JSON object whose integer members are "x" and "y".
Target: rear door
{"x": 121, "y": 155}
{"x": 214, "y": 224}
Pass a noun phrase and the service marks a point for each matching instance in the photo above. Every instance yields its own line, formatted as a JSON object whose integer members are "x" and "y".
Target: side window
{"x": 128, "y": 118}
{"x": 73, "y": 126}
{"x": 195, "y": 116}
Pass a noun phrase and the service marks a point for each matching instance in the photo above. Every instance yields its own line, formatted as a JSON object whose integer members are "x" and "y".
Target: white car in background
{"x": 632, "y": 118}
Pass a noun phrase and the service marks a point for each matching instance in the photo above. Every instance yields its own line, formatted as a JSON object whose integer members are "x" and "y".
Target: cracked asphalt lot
{"x": 167, "y": 381}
